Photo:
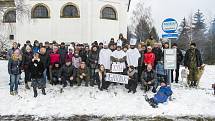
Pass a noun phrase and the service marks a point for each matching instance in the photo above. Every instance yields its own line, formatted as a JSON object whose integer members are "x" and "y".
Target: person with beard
{"x": 93, "y": 61}
{"x": 26, "y": 60}
{"x": 62, "y": 51}
{"x": 193, "y": 61}
{"x": 151, "y": 41}
{"x": 83, "y": 74}
{"x": 133, "y": 79}
{"x": 36, "y": 69}
{"x": 179, "y": 61}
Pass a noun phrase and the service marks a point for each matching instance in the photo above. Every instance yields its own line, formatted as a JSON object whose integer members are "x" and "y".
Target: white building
{"x": 65, "y": 20}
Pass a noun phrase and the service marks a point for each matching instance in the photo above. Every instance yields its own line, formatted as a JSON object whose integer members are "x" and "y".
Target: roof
{"x": 7, "y": 3}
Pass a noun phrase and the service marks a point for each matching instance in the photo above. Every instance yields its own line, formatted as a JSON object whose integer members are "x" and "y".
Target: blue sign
{"x": 169, "y": 25}
{"x": 170, "y": 35}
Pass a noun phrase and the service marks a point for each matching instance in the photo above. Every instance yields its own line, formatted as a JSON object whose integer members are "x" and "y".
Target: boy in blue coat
{"x": 161, "y": 96}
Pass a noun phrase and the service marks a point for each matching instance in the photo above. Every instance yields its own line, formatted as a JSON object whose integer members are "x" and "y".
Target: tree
{"x": 183, "y": 39}
{"x": 142, "y": 30}
{"x": 154, "y": 33}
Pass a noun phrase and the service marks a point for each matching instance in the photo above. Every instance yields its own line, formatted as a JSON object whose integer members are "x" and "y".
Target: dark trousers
{"x": 132, "y": 85}
{"x": 176, "y": 74}
{"x": 64, "y": 81}
{"x": 27, "y": 76}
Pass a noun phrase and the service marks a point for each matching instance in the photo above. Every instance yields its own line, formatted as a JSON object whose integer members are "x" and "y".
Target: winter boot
{"x": 35, "y": 92}
{"x": 11, "y": 93}
{"x": 26, "y": 86}
{"x": 43, "y": 91}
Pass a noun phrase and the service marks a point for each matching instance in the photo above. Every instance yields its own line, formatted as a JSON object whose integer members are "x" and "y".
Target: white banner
{"x": 116, "y": 78}
{"x": 117, "y": 67}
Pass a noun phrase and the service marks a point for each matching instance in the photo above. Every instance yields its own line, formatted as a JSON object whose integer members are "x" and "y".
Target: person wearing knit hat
{"x": 193, "y": 61}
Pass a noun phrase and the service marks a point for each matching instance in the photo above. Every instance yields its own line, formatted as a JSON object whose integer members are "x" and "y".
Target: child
{"x": 161, "y": 96}
{"x": 132, "y": 82}
{"x": 14, "y": 69}
{"x": 55, "y": 73}
{"x": 83, "y": 74}
{"x": 67, "y": 73}
{"x": 36, "y": 69}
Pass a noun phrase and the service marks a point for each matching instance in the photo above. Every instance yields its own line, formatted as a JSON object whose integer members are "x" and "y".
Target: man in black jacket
{"x": 45, "y": 59}
{"x": 179, "y": 60}
{"x": 193, "y": 61}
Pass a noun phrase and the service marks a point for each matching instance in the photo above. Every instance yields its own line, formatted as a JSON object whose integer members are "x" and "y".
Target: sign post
{"x": 170, "y": 26}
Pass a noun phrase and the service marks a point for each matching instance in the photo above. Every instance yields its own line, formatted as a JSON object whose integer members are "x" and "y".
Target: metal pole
{"x": 170, "y": 74}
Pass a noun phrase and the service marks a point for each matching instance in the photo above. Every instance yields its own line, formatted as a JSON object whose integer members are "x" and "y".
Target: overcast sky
{"x": 177, "y": 9}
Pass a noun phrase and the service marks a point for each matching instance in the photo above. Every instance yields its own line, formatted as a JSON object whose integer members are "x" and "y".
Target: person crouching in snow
{"x": 132, "y": 82}
{"x": 55, "y": 73}
{"x": 67, "y": 73}
{"x": 161, "y": 96}
{"x": 149, "y": 77}
{"x": 83, "y": 74}
{"x": 100, "y": 78}
{"x": 14, "y": 69}
{"x": 36, "y": 69}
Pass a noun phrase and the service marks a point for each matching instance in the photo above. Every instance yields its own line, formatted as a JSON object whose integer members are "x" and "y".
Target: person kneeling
{"x": 36, "y": 70}
{"x": 67, "y": 73}
{"x": 100, "y": 78}
{"x": 83, "y": 74}
{"x": 162, "y": 95}
{"x": 132, "y": 82}
{"x": 149, "y": 77}
{"x": 55, "y": 74}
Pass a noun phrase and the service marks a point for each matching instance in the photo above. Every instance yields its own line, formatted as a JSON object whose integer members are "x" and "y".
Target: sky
{"x": 177, "y": 9}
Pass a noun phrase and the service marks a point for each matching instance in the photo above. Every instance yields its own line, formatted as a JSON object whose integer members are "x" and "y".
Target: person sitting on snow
{"x": 161, "y": 96}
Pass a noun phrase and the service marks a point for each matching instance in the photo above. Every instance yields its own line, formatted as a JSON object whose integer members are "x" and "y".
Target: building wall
{"x": 88, "y": 28}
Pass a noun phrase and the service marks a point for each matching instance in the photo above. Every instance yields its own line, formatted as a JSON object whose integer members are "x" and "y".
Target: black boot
{"x": 35, "y": 92}
{"x": 43, "y": 91}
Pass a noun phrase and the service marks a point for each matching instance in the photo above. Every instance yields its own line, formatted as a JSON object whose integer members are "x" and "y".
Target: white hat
{"x": 105, "y": 43}
{"x": 133, "y": 41}
{"x": 119, "y": 43}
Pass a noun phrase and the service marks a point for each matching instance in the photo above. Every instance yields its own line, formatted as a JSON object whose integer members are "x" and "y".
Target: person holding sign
{"x": 149, "y": 77}
{"x": 133, "y": 54}
{"x": 118, "y": 57}
{"x": 132, "y": 81}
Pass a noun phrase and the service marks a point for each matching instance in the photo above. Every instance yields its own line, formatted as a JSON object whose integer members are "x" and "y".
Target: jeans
{"x": 14, "y": 81}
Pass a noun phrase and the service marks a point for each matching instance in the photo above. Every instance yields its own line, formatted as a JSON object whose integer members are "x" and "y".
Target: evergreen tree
{"x": 183, "y": 39}
{"x": 154, "y": 33}
{"x": 142, "y": 30}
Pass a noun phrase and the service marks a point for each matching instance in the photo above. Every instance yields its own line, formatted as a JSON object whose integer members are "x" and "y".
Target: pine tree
{"x": 183, "y": 40}
{"x": 154, "y": 33}
{"x": 142, "y": 30}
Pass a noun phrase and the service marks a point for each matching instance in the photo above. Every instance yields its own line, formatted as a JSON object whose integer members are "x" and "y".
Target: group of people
{"x": 77, "y": 64}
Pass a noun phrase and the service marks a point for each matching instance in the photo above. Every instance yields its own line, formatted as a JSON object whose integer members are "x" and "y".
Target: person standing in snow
{"x": 149, "y": 57}
{"x": 63, "y": 52}
{"x": 37, "y": 68}
{"x": 104, "y": 57}
{"x": 193, "y": 61}
{"x": 119, "y": 56}
{"x": 132, "y": 54}
{"x": 26, "y": 60}
{"x": 14, "y": 69}
{"x": 161, "y": 96}
{"x": 11, "y": 51}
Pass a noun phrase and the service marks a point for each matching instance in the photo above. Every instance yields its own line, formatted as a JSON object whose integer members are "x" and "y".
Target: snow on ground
{"x": 116, "y": 102}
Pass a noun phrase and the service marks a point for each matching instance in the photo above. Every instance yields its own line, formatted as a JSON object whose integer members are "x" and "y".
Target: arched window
{"x": 70, "y": 11}
{"x": 10, "y": 16}
{"x": 109, "y": 13}
{"x": 40, "y": 11}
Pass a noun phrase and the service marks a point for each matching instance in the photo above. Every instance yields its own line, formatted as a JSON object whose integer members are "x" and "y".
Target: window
{"x": 108, "y": 13}
{"x": 10, "y": 16}
{"x": 70, "y": 11}
{"x": 40, "y": 11}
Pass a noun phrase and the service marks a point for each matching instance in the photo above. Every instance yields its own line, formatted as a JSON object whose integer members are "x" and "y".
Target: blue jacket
{"x": 163, "y": 94}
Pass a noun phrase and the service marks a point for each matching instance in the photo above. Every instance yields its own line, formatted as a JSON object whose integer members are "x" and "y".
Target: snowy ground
{"x": 116, "y": 102}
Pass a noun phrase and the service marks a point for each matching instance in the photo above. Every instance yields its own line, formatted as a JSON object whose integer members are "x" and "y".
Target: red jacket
{"x": 54, "y": 57}
{"x": 69, "y": 56}
{"x": 149, "y": 58}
